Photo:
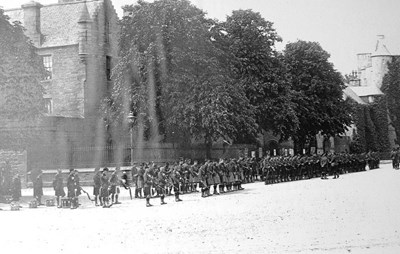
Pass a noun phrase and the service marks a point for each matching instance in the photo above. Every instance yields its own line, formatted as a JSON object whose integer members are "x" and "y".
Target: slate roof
{"x": 362, "y": 91}
{"x": 59, "y": 22}
{"x": 348, "y": 92}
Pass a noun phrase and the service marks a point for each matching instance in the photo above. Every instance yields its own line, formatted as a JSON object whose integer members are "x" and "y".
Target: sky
{"x": 342, "y": 27}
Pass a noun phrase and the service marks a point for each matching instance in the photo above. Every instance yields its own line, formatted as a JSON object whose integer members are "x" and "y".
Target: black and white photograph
{"x": 200, "y": 126}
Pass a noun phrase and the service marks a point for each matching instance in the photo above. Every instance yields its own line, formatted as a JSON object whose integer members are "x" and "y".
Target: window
{"x": 48, "y": 66}
{"x": 108, "y": 67}
{"x": 48, "y": 105}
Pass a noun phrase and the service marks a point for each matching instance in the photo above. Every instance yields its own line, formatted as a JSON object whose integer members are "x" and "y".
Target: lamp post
{"x": 131, "y": 119}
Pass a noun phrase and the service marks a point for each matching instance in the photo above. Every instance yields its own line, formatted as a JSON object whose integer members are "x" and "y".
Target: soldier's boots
{"x": 116, "y": 200}
{"x": 148, "y": 202}
{"x": 162, "y": 200}
{"x": 177, "y": 199}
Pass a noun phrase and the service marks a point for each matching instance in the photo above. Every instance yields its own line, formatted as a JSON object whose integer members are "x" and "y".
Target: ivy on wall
{"x": 379, "y": 116}
{"x": 372, "y": 127}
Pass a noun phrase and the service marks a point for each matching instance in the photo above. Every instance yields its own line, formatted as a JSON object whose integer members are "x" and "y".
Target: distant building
{"x": 371, "y": 68}
{"x": 365, "y": 83}
{"x": 78, "y": 41}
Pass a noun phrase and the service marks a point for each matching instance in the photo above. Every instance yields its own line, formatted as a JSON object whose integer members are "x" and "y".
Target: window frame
{"x": 48, "y": 66}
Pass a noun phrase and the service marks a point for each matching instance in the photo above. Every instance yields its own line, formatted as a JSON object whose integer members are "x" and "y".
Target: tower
{"x": 380, "y": 59}
{"x": 85, "y": 23}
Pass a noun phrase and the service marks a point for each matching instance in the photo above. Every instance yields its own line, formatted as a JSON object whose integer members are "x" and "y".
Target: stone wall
{"x": 66, "y": 87}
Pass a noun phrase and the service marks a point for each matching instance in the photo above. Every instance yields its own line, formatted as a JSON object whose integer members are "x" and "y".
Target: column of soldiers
{"x": 211, "y": 177}
{"x": 289, "y": 168}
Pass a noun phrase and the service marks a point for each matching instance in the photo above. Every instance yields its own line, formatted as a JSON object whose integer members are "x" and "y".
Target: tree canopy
{"x": 255, "y": 64}
{"x": 318, "y": 91}
{"x": 175, "y": 76}
{"x": 179, "y": 71}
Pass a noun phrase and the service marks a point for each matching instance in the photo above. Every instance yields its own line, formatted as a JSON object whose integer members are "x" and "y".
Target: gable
{"x": 59, "y": 22}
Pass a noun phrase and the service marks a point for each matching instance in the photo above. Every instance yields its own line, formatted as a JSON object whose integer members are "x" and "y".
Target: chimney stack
{"x": 32, "y": 22}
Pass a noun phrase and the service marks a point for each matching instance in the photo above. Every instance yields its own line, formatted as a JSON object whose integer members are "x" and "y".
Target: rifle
{"x": 86, "y": 194}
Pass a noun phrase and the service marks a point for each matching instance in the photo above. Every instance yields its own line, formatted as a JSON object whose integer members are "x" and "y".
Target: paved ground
{"x": 357, "y": 213}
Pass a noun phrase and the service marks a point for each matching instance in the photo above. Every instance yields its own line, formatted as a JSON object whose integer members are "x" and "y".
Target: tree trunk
{"x": 208, "y": 143}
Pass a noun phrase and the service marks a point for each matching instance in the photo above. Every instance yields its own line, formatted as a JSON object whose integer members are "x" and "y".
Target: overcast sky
{"x": 342, "y": 27}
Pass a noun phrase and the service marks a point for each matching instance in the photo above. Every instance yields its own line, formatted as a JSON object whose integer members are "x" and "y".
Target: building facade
{"x": 365, "y": 83}
{"x": 78, "y": 42}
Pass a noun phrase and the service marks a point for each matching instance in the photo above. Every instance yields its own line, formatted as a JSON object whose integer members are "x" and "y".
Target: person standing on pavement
{"x": 58, "y": 186}
{"x": 114, "y": 188}
{"x": 97, "y": 186}
{"x": 38, "y": 188}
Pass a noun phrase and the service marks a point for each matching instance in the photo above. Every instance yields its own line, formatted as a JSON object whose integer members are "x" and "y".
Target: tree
{"x": 172, "y": 76}
{"x": 21, "y": 93}
{"x": 318, "y": 90}
{"x": 391, "y": 89}
{"x": 255, "y": 64}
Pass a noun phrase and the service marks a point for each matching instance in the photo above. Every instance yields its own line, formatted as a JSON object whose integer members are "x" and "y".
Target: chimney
{"x": 32, "y": 22}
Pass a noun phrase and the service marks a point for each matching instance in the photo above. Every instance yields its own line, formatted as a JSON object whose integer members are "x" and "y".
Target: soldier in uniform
{"x": 114, "y": 186}
{"x": 324, "y": 166}
{"x": 38, "y": 188}
{"x": 221, "y": 173}
{"x": 162, "y": 182}
{"x": 176, "y": 179}
{"x": 193, "y": 177}
{"x": 58, "y": 186}
{"x": 140, "y": 181}
{"x": 105, "y": 184}
{"x": 71, "y": 187}
{"x": 148, "y": 182}
{"x": 97, "y": 186}
{"x": 203, "y": 180}
{"x": 214, "y": 172}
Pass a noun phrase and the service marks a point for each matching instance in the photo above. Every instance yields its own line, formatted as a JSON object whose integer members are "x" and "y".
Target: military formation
{"x": 151, "y": 180}
{"x": 290, "y": 168}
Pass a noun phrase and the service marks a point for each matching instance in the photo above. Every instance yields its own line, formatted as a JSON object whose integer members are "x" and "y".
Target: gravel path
{"x": 357, "y": 213}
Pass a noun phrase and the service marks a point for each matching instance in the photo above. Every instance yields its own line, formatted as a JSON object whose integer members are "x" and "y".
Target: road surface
{"x": 357, "y": 213}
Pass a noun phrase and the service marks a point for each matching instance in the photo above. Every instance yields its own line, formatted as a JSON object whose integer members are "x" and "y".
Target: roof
{"x": 381, "y": 49}
{"x": 362, "y": 91}
{"x": 348, "y": 92}
{"x": 59, "y": 22}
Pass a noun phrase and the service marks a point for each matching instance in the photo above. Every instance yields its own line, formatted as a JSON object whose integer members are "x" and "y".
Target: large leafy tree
{"x": 256, "y": 65}
{"x": 391, "y": 89}
{"x": 318, "y": 92}
{"x": 21, "y": 93}
{"x": 173, "y": 76}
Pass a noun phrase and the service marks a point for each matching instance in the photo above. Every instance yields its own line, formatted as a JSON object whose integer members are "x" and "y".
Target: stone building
{"x": 365, "y": 83}
{"x": 371, "y": 68}
{"x": 78, "y": 41}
